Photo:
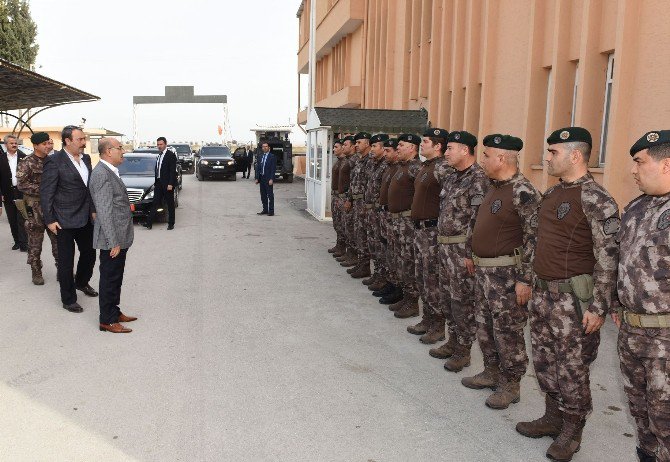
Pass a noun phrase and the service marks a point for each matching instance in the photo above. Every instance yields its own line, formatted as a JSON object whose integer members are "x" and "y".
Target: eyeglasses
{"x": 117, "y": 147}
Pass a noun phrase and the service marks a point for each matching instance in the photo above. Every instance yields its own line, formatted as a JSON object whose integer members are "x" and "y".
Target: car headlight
{"x": 231, "y": 162}
{"x": 149, "y": 194}
{"x": 205, "y": 162}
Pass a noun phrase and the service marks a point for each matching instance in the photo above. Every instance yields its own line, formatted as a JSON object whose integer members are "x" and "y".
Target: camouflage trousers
{"x": 35, "y": 229}
{"x": 404, "y": 232}
{"x": 457, "y": 288}
{"x": 500, "y": 321}
{"x": 562, "y": 353}
{"x": 426, "y": 270}
{"x": 338, "y": 223}
{"x": 360, "y": 228}
{"x": 376, "y": 239}
{"x": 645, "y": 365}
{"x": 390, "y": 243}
{"x": 348, "y": 226}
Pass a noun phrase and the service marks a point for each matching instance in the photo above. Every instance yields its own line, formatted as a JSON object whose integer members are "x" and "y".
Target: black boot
{"x": 392, "y": 298}
{"x": 387, "y": 289}
{"x": 644, "y": 456}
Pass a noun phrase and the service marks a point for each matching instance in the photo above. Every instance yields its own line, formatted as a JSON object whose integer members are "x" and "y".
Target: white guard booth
{"x": 322, "y": 126}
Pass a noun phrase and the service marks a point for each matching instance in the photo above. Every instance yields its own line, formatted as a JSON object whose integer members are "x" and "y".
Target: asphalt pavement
{"x": 252, "y": 344}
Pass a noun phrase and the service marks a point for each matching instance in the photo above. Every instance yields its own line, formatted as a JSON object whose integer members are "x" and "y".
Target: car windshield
{"x": 212, "y": 151}
{"x": 137, "y": 166}
{"x": 182, "y": 148}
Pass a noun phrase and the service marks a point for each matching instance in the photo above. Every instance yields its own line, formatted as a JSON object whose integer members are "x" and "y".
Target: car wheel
{"x": 234, "y": 178}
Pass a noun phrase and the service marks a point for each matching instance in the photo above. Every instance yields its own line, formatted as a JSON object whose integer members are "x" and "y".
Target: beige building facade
{"x": 523, "y": 67}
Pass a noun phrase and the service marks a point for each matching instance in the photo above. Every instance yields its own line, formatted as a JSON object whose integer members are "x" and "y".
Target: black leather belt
{"x": 424, "y": 224}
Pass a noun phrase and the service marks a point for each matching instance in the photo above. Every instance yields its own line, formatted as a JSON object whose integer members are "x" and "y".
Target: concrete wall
{"x": 505, "y": 66}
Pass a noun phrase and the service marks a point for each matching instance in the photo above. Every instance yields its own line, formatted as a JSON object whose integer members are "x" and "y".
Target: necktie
{"x": 265, "y": 156}
{"x": 158, "y": 165}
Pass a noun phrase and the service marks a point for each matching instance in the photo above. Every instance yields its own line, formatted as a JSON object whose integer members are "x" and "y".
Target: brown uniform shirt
{"x": 335, "y": 175}
{"x": 401, "y": 189}
{"x": 426, "y": 202}
{"x": 386, "y": 181}
{"x": 344, "y": 179}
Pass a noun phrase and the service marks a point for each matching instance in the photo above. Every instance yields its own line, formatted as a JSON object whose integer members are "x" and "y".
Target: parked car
{"x": 184, "y": 156}
{"x": 137, "y": 171}
{"x": 156, "y": 152}
{"x": 280, "y": 146}
{"x": 213, "y": 162}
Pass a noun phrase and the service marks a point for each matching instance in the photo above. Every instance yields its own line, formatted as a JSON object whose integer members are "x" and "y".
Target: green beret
{"x": 436, "y": 133}
{"x": 39, "y": 138}
{"x": 362, "y": 136}
{"x": 507, "y": 142}
{"x": 348, "y": 138}
{"x": 463, "y": 137}
{"x": 391, "y": 143}
{"x": 379, "y": 138}
{"x": 410, "y": 138}
{"x": 337, "y": 142}
{"x": 570, "y": 135}
{"x": 649, "y": 140}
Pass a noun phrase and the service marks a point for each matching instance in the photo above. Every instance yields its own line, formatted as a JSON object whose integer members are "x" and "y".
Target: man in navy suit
{"x": 69, "y": 213}
{"x": 166, "y": 183}
{"x": 266, "y": 166}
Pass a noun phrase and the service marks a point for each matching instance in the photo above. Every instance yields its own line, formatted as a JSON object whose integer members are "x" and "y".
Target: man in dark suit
{"x": 68, "y": 211}
{"x": 9, "y": 162}
{"x": 112, "y": 233}
{"x": 165, "y": 184}
{"x": 266, "y": 166}
{"x": 250, "y": 161}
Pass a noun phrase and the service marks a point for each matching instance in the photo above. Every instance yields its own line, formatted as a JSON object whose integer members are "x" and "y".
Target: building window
{"x": 547, "y": 110}
{"x": 574, "y": 96}
{"x": 606, "y": 109}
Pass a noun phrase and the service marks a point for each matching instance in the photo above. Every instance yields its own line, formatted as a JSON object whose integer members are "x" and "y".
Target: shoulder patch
{"x": 664, "y": 220}
{"x": 611, "y": 226}
{"x": 563, "y": 210}
{"x": 496, "y": 206}
{"x": 524, "y": 197}
{"x": 477, "y": 200}
{"x": 534, "y": 220}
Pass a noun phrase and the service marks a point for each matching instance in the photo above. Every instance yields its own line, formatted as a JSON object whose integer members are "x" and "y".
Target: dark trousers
{"x": 267, "y": 195}
{"x": 16, "y": 221}
{"x": 162, "y": 194}
{"x": 111, "y": 279}
{"x": 249, "y": 168}
{"x": 66, "y": 239}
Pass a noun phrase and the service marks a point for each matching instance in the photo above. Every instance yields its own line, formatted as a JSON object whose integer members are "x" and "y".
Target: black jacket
{"x": 6, "y": 189}
{"x": 168, "y": 170}
{"x": 64, "y": 196}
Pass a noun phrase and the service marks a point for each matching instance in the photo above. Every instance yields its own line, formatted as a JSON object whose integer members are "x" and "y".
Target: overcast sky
{"x": 245, "y": 49}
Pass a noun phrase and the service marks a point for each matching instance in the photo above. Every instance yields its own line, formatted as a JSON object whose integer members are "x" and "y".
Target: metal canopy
{"x": 24, "y": 89}
{"x": 346, "y": 120}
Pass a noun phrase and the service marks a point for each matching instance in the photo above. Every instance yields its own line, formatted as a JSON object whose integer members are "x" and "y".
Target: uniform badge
{"x": 664, "y": 220}
{"x": 436, "y": 132}
{"x": 564, "y": 135}
{"x": 611, "y": 226}
{"x": 563, "y": 210}
{"x": 496, "y": 206}
{"x": 476, "y": 200}
{"x": 457, "y": 136}
{"x": 653, "y": 137}
{"x": 497, "y": 140}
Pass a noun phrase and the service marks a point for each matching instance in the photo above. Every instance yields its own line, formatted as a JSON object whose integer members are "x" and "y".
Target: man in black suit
{"x": 250, "y": 161}
{"x": 69, "y": 213}
{"x": 266, "y": 166}
{"x": 9, "y": 162}
{"x": 166, "y": 182}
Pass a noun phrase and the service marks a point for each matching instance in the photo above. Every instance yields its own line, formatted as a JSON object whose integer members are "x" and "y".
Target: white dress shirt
{"x": 80, "y": 166}
{"x": 13, "y": 162}
{"x": 111, "y": 167}
{"x": 161, "y": 156}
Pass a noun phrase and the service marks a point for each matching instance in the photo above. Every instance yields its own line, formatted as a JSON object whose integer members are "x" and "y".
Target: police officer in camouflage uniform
{"x": 644, "y": 291}
{"x": 503, "y": 242}
{"x": 350, "y": 258}
{"x": 376, "y": 167}
{"x": 400, "y": 197}
{"x": 359, "y": 181}
{"x": 575, "y": 267}
{"x": 28, "y": 178}
{"x": 425, "y": 210}
{"x": 392, "y": 291}
{"x": 462, "y": 193}
{"x": 335, "y": 203}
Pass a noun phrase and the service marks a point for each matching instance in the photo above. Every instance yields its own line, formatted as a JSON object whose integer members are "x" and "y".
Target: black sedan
{"x": 213, "y": 162}
{"x": 138, "y": 173}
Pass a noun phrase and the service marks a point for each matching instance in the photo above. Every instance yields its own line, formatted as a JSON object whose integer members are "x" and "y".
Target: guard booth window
{"x": 606, "y": 111}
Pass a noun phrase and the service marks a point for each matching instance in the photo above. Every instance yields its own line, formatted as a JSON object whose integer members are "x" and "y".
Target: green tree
{"x": 17, "y": 33}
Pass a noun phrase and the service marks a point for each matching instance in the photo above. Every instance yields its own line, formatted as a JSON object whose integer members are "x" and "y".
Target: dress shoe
{"x": 115, "y": 328}
{"x": 271, "y": 214}
{"x": 73, "y": 307}
{"x": 170, "y": 227}
{"x": 262, "y": 213}
{"x": 124, "y": 318}
{"x": 23, "y": 248}
{"x": 88, "y": 290}
{"x": 147, "y": 225}
{"x": 15, "y": 247}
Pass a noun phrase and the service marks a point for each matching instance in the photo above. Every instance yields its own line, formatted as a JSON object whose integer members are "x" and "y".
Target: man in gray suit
{"x": 112, "y": 232}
